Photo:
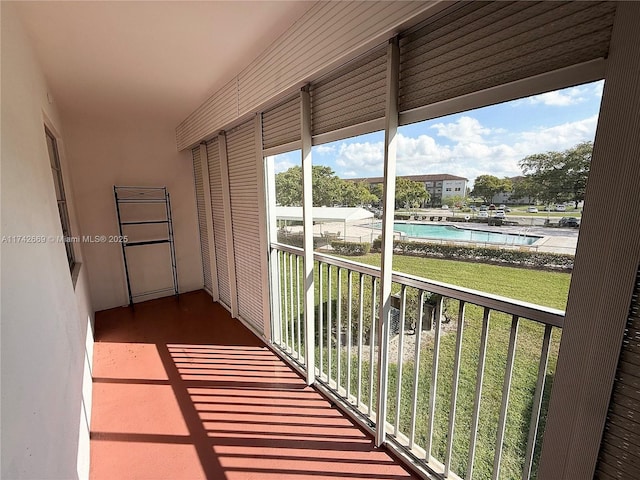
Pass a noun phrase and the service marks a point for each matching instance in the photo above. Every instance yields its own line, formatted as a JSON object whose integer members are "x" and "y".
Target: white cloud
{"x": 366, "y": 158}
{"x": 598, "y": 88}
{"x": 477, "y": 151}
{"x": 282, "y": 165}
{"x": 421, "y": 155}
{"x": 561, "y": 98}
{"x": 465, "y": 129}
{"x": 556, "y": 138}
{"x": 324, "y": 149}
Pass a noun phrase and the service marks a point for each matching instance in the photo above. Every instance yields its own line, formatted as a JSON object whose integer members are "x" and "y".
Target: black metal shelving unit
{"x": 126, "y": 198}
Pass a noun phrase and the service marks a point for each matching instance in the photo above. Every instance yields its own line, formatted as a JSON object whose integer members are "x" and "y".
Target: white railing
{"x": 290, "y": 325}
{"x": 447, "y": 410}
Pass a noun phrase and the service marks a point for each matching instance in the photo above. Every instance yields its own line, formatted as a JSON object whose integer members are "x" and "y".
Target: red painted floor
{"x": 182, "y": 391}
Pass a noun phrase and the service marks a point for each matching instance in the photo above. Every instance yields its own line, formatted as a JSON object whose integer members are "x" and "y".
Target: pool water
{"x": 449, "y": 232}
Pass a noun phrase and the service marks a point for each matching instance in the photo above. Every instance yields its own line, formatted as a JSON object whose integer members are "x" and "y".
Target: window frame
{"x": 61, "y": 198}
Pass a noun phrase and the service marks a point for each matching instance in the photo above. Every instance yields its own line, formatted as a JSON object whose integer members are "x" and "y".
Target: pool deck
{"x": 553, "y": 240}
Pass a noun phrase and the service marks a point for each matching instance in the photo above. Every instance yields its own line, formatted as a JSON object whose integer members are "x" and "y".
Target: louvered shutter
{"x": 243, "y": 186}
{"x": 352, "y": 95}
{"x": 472, "y": 46}
{"x": 281, "y": 124}
{"x": 202, "y": 218}
{"x": 217, "y": 214}
{"x": 620, "y": 448}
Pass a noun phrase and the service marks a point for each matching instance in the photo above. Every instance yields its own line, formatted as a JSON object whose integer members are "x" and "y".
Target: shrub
{"x": 457, "y": 218}
{"x": 524, "y": 258}
{"x": 350, "y": 248}
{"x": 297, "y": 240}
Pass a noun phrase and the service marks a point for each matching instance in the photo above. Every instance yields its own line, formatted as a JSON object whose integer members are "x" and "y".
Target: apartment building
{"x": 439, "y": 186}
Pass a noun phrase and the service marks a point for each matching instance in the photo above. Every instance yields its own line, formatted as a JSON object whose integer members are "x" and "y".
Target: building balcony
{"x": 455, "y": 381}
{"x": 183, "y": 391}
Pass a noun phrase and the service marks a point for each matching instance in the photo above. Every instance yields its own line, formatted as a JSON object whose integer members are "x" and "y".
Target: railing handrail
{"x": 287, "y": 248}
{"x": 522, "y": 309}
{"x": 511, "y": 306}
{"x": 350, "y": 264}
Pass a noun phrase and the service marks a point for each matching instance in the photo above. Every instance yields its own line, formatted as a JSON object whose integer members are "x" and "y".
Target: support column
{"x": 606, "y": 263}
{"x": 390, "y": 147}
{"x": 274, "y": 259}
{"x": 307, "y": 222}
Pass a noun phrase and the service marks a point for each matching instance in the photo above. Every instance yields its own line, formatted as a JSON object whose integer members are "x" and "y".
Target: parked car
{"x": 483, "y": 214}
{"x": 483, "y": 208}
{"x": 561, "y": 207}
{"x": 499, "y": 214}
{"x": 532, "y": 209}
{"x": 571, "y": 222}
{"x": 492, "y": 207}
{"x": 502, "y": 207}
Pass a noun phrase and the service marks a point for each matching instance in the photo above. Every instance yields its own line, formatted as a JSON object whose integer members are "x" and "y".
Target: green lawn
{"x": 540, "y": 287}
{"x": 569, "y": 212}
{"x": 535, "y": 286}
{"x": 515, "y": 211}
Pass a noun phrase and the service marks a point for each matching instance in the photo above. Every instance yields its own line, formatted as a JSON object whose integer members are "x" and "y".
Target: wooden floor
{"x": 182, "y": 391}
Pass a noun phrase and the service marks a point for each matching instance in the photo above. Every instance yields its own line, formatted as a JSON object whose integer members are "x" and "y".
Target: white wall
{"x": 453, "y": 184}
{"x": 109, "y": 151}
{"x": 44, "y": 319}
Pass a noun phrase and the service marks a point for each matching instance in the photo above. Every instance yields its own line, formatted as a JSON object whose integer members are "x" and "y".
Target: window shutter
{"x": 217, "y": 214}
{"x": 243, "y": 185}
{"x": 202, "y": 218}
{"x": 472, "y": 46}
{"x": 352, "y": 95}
{"x": 281, "y": 124}
{"x": 620, "y": 448}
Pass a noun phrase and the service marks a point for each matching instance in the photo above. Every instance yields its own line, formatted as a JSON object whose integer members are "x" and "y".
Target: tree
{"x": 356, "y": 194}
{"x": 289, "y": 187}
{"x": 560, "y": 176}
{"x": 577, "y": 167}
{"x": 377, "y": 191}
{"x": 327, "y": 187}
{"x": 410, "y": 194}
{"x": 455, "y": 201}
{"x": 488, "y": 186}
{"x": 525, "y": 187}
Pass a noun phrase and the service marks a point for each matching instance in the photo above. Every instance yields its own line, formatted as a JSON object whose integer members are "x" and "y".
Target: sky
{"x": 489, "y": 140}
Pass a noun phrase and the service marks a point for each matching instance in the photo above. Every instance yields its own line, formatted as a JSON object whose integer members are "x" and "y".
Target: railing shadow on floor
{"x": 181, "y": 390}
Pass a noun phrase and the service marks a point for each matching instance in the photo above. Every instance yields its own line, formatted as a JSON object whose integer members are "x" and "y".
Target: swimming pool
{"x": 450, "y": 232}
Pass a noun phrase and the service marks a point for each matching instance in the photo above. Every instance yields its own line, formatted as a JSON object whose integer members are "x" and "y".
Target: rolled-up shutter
{"x": 352, "y": 95}
{"x": 281, "y": 124}
{"x": 202, "y": 218}
{"x": 620, "y": 447}
{"x": 243, "y": 186}
{"x": 217, "y": 214}
{"x": 472, "y": 46}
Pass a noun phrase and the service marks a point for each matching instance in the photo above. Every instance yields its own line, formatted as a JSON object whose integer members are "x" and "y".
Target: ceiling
{"x": 148, "y": 58}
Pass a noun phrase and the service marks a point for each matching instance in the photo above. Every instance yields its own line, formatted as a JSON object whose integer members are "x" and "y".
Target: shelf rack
{"x": 124, "y": 198}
